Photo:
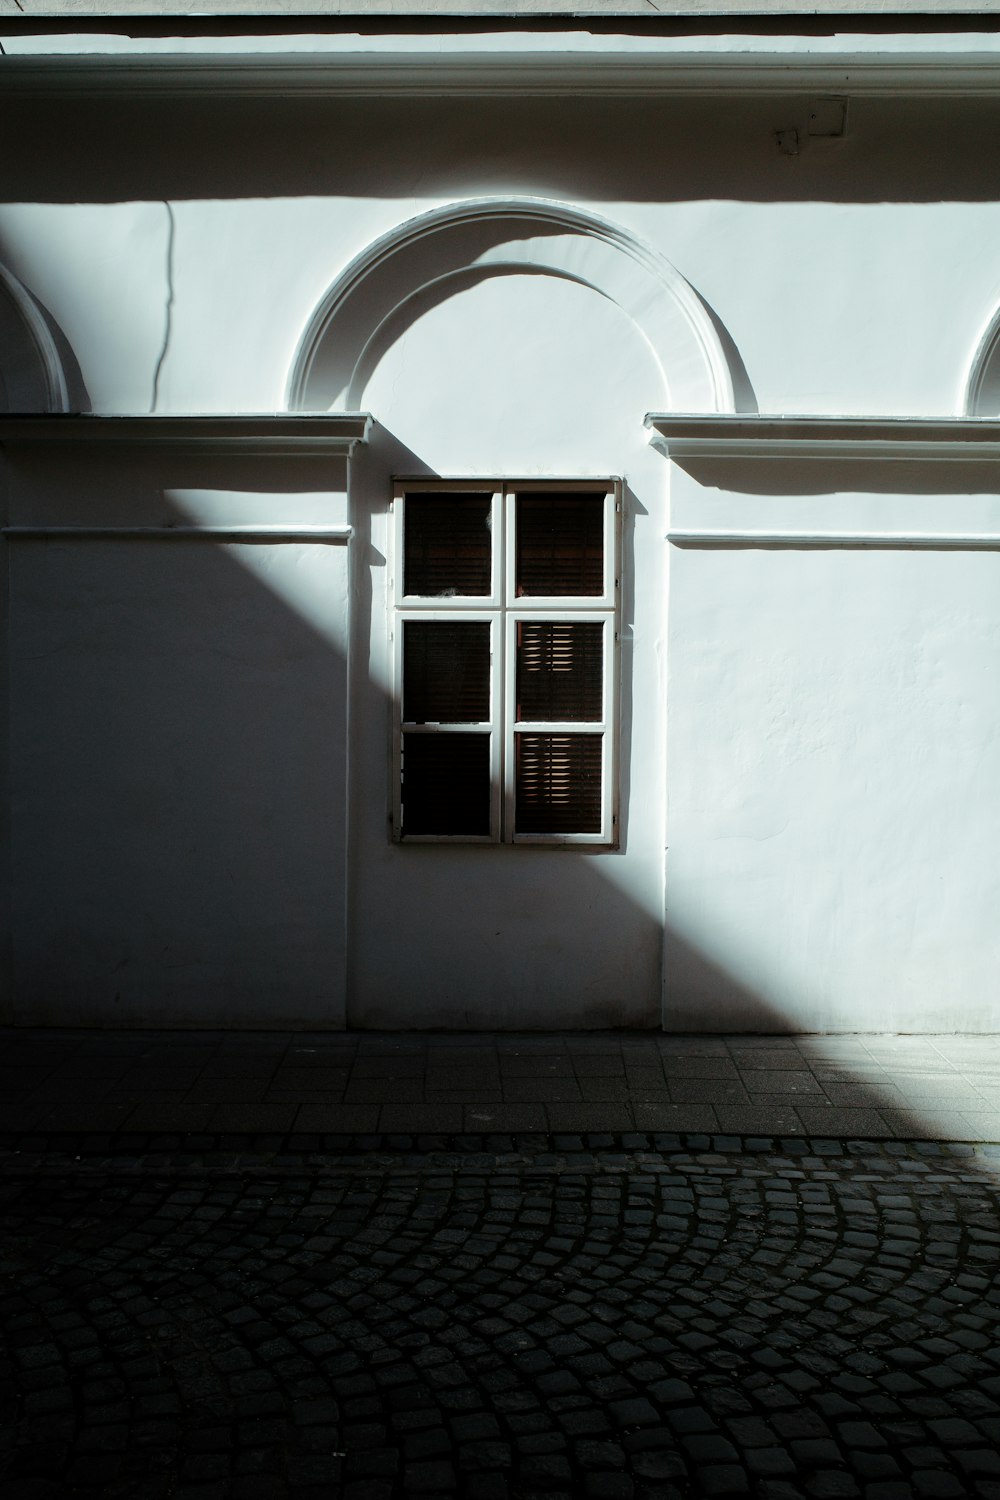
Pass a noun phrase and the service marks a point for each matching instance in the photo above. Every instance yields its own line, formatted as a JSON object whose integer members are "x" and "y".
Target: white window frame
{"x": 490, "y": 725}
{"x": 503, "y": 609}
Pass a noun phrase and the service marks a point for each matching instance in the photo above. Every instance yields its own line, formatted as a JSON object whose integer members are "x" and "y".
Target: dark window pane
{"x": 446, "y": 671}
{"x": 446, "y": 545}
{"x": 560, "y": 669}
{"x": 558, "y": 783}
{"x": 446, "y": 784}
{"x": 560, "y": 545}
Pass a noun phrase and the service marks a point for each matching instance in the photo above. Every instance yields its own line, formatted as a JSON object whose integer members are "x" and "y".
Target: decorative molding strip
{"x": 335, "y": 534}
{"x": 606, "y": 72}
{"x": 742, "y": 436}
{"x": 943, "y": 541}
{"x": 295, "y": 436}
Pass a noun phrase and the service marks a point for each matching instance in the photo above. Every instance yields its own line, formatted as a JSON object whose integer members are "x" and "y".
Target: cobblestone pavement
{"x": 817, "y": 1320}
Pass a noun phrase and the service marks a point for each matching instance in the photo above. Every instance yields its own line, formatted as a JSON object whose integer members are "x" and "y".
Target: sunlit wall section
{"x": 834, "y": 745}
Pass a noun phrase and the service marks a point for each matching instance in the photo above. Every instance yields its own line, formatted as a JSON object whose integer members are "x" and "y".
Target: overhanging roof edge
{"x": 601, "y": 72}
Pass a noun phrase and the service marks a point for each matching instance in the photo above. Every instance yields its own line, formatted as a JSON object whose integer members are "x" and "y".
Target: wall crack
{"x": 168, "y": 311}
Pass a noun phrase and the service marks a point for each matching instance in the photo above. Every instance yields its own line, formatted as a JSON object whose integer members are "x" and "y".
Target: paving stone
{"x": 766, "y": 1055}
{"x": 422, "y": 1117}
{"x": 679, "y": 1063}
{"x": 776, "y": 1120}
{"x": 608, "y": 1486}
{"x": 917, "y": 1124}
{"x": 167, "y": 1118}
{"x": 336, "y": 1119}
{"x": 771, "y": 1083}
{"x": 614, "y": 1117}
{"x": 868, "y": 1124}
{"x": 936, "y": 1484}
{"x": 683, "y": 1118}
{"x": 708, "y": 1091}
{"x": 70, "y": 1115}
{"x": 485, "y": 1487}
{"x": 770, "y": 1462}
{"x": 252, "y": 1118}
{"x": 544, "y": 1090}
{"x": 245, "y": 1086}
{"x": 722, "y": 1480}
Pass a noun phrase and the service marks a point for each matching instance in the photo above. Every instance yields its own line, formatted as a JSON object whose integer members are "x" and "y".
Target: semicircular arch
{"x": 32, "y": 377}
{"x": 982, "y": 388}
{"x": 428, "y": 257}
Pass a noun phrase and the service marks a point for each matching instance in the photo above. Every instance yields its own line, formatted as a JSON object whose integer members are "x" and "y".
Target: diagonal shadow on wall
{"x": 180, "y": 854}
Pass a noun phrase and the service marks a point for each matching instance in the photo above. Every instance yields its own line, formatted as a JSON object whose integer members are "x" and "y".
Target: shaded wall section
{"x": 178, "y": 751}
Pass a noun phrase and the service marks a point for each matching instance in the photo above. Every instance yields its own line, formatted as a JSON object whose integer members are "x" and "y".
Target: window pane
{"x": 447, "y": 545}
{"x": 446, "y": 671}
{"x": 560, "y": 670}
{"x": 558, "y": 783}
{"x": 446, "y": 784}
{"x": 560, "y": 545}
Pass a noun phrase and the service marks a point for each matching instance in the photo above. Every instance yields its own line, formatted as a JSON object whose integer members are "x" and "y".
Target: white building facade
{"x": 502, "y": 525}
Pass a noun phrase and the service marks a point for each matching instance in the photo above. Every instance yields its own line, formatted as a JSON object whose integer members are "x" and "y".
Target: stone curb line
{"x": 89, "y": 1152}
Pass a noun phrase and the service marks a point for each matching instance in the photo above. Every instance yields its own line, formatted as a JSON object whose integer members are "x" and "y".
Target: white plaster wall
{"x": 852, "y": 277}
{"x": 810, "y": 735}
{"x": 178, "y": 749}
{"x": 99, "y": 269}
{"x": 834, "y": 754}
{"x": 833, "y": 733}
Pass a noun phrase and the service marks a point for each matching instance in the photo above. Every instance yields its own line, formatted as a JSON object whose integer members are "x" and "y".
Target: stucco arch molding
{"x": 982, "y": 386}
{"x": 32, "y": 378}
{"x": 428, "y": 258}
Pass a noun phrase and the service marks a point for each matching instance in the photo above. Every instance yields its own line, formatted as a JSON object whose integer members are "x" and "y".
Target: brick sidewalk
{"x": 859, "y": 1087}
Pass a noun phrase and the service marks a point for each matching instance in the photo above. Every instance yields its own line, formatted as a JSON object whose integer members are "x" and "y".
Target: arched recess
{"x": 32, "y": 376}
{"x": 431, "y": 257}
{"x": 982, "y": 391}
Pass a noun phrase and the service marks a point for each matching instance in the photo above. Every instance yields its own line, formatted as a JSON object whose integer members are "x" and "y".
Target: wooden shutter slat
{"x": 559, "y": 545}
{"x": 446, "y": 671}
{"x": 560, "y": 670}
{"x": 558, "y": 783}
{"x": 447, "y": 545}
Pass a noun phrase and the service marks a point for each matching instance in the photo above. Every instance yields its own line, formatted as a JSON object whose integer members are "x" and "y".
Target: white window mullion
{"x": 396, "y": 531}
{"x": 509, "y": 534}
{"x": 508, "y": 719}
{"x": 396, "y": 647}
{"x": 497, "y": 718}
{"x": 609, "y": 763}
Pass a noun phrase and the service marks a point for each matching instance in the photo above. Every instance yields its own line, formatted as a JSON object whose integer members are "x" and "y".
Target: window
{"x": 504, "y": 632}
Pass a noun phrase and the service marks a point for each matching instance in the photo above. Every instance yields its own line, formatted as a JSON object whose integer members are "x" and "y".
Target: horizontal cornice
{"x": 262, "y": 435}
{"x": 335, "y": 535}
{"x": 387, "y": 13}
{"x": 742, "y": 436}
{"x": 877, "y": 541}
{"x": 654, "y": 71}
